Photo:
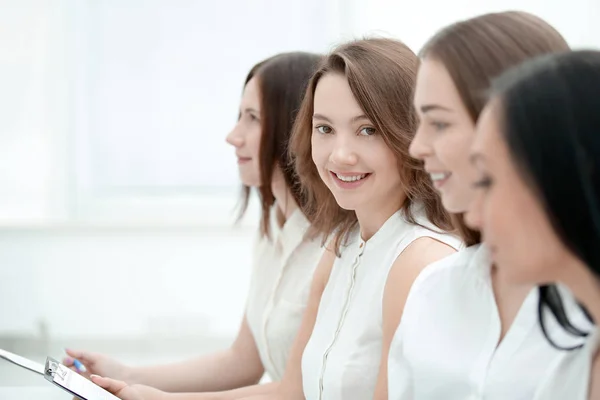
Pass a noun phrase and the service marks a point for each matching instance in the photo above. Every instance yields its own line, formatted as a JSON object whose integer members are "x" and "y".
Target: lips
{"x": 350, "y": 177}
{"x": 439, "y": 178}
{"x": 349, "y": 180}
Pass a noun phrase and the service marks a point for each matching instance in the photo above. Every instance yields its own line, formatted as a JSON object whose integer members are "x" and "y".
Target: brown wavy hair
{"x": 381, "y": 74}
{"x": 477, "y": 50}
{"x": 282, "y": 80}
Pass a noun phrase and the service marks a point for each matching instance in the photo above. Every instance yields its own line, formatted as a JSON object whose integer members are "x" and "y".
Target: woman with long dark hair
{"x": 537, "y": 154}
{"x": 285, "y": 254}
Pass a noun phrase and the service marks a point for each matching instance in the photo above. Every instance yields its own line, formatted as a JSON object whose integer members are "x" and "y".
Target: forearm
{"x": 219, "y": 371}
{"x": 241, "y": 393}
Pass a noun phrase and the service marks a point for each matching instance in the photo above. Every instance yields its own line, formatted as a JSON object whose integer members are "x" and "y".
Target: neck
{"x": 285, "y": 201}
{"x": 586, "y": 288}
{"x": 509, "y": 297}
{"x": 372, "y": 219}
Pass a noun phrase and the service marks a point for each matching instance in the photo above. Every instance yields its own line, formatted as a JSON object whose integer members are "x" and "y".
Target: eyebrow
{"x": 433, "y": 107}
{"x": 354, "y": 119}
{"x": 249, "y": 109}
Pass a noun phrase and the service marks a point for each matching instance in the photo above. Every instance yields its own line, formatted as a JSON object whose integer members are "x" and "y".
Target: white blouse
{"x": 341, "y": 360}
{"x": 569, "y": 376}
{"x": 446, "y": 346}
{"x": 283, "y": 268}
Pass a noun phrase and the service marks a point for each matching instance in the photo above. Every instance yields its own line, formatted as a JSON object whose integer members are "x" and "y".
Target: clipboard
{"x": 61, "y": 376}
{"x": 22, "y": 362}
{"x": 72, "y": 382}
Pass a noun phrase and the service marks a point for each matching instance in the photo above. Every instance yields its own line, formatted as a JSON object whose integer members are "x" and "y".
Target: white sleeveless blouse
{"x": 283, "y": 268}
{"x": 446, "y": 346}
{"x": 341, "y": 360}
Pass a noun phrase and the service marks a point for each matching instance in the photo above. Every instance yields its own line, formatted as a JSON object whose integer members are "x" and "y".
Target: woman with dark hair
{"x": 468, "y": 330}
{"x": 537, "y": 154}
{"x": 285, "y": 254}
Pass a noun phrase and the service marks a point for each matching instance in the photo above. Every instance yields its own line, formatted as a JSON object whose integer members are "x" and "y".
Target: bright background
{"x": 117, "y": 189}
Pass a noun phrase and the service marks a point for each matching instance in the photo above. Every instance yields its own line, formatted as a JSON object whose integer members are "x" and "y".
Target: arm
{"x": 249, "y": 391}
{"x": 237, "y": 366}
{"x": 403, "y": 273}
{"x": 595, "y": 378}
{"x": 290, "y": 387}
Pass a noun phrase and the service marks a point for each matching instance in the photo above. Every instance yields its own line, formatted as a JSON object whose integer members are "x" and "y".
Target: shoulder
{"x": 408, "y": 266}
{"x": 595, "y": 376}
{"x": 425, "y": 229}
{"x": 441, "y": 269}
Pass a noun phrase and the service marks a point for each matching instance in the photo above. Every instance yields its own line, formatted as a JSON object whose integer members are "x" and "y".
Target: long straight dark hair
{"x": 551, "y": 122}
{"x": 282, "y": 81}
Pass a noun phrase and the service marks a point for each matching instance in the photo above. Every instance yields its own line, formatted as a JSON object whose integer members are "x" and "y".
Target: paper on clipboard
{"x": 22, "y": 362}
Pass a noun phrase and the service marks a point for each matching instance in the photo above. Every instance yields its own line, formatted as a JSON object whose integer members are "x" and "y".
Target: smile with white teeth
{"x": 438, "y": 176}
{"x": 351, "y": 178}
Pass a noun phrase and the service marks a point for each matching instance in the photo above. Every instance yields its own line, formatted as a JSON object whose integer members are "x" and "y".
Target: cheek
{"x": 454, "y": 153}
{"x": 498, "y": 223}
{"x": 384, "y": 161}
{"x": 517, "y": 231}
{"x": 254, "y": 141}
{"x": 319, "y": 151}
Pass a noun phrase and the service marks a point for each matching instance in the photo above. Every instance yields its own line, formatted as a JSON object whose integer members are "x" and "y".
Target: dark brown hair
{"x": 282, "y": 81}
{"x": 381, "y": 74}
{"x": 477, "y": 50}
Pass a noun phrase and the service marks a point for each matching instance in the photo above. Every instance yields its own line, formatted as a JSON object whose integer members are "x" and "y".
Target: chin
{"x": 510, "y": 269}
{"x": 452, "y": 205}
{"x": 346, "y": 203}
{"x": 250, "y": 182}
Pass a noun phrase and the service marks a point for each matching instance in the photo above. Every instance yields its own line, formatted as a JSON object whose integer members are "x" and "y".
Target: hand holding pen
{"x": 88, "y": 363}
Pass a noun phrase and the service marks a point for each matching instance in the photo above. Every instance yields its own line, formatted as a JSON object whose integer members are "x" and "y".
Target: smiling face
{"x": 246, "y": 135}
{"x": 352, "y": 158}
{"x": 445, "y": 134}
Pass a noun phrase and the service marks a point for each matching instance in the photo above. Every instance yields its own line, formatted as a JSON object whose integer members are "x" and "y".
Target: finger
{"x": 83, "y": 356}
{"x": 84, "y": 374}
{"x": 74, "y": 353}
{"x": 68, "y": 361}
{"x": 111, "y": 385}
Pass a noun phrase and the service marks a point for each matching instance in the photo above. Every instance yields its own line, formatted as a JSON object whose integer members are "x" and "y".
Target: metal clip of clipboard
{"x": 75, "y": 384}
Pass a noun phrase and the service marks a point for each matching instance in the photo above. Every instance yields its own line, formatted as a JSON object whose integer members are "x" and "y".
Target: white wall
{"x": 415, "y": 22}
{"x": 88, "y": 263}
{"x": 106, "y": 110}
{"x": 109, "y": 282}
{"x": 33, "y": 108}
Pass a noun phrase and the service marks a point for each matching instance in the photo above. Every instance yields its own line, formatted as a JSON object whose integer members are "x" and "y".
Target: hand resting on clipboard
{"x": 61, "y": 376}
{"x": 74, "y": 383}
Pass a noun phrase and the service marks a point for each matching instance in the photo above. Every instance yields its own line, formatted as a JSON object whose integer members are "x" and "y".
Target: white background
{"x": 116, "y": 186}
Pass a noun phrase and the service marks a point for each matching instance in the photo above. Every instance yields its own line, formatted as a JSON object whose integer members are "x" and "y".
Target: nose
{"x": 235, "y": 138}
{"x": 343, "y": 152}
{"x": 473, "y": 216}
{"x": 419, "y": 147}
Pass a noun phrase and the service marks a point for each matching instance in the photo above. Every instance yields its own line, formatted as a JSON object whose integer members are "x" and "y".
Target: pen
{"x": 79, "y": 366}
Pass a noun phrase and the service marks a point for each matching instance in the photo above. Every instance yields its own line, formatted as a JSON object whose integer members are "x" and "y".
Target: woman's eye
{"x": 324, "y": 129}
{"x": 483, "y": 183}
{"x": 367, "y": 131}
{"x": 439, "y": 126}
